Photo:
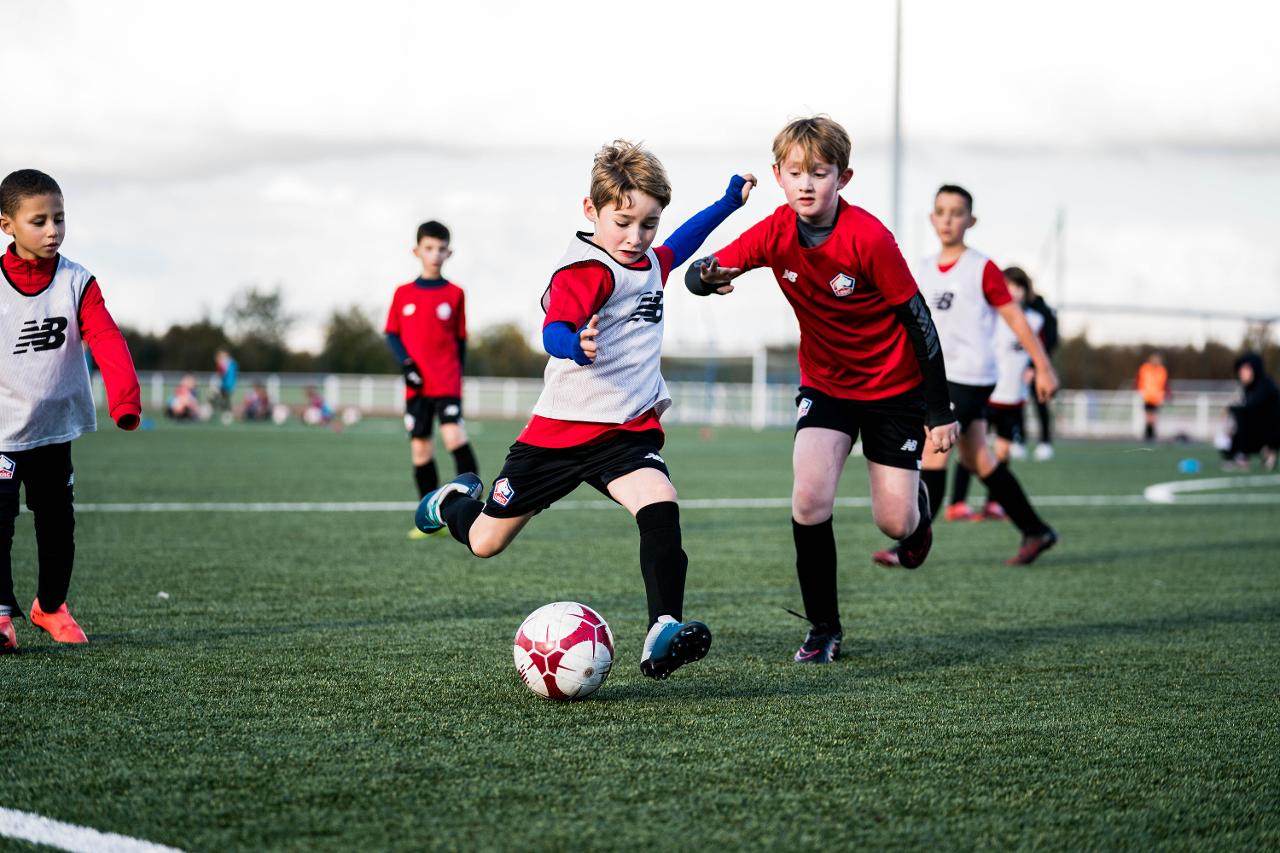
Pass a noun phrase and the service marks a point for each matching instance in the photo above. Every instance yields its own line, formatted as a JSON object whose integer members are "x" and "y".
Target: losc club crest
{"x": 502, "y": 492}
{"x": 842, "y": 285}
{"x": 7, "y": 467}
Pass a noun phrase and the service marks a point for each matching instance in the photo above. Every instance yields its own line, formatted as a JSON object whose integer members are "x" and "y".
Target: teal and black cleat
{"x": 428, "y": 518}
{"x": 671, "y": 644}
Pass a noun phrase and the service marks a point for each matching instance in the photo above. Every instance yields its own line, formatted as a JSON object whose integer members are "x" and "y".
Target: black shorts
{"x": 969, "y": 402}
{"x": 892, "y": 429}
{"x": 45, "y": 471}
{"x": 1007, "y": 421}
{"x": 1151, "y": 407}
{"x": 533, "y": 478}
{"x": 421, "y": 412}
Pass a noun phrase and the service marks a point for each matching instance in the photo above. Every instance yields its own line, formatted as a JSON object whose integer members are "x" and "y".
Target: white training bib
{"x": 625, "y": 380}
{"x": 1012, "y": 361}
{"x": 966, "y": 321}
{"x": 44, "y": 379}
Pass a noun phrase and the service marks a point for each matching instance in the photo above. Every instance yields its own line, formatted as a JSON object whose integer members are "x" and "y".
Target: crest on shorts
{"x": 842, "y": 285}
{"x": 7, "y": 467}
{"x": 805, "y": 405}
{"x": 502, "y": 492}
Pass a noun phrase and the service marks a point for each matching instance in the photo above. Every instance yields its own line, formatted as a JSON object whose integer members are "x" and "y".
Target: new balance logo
{"x": 649, "y": 310}
{"x": 910, "y": 445}
{"x": 38, "y": 337}
{"x": 789, "y": 276}
{"x": 655, "y": 457}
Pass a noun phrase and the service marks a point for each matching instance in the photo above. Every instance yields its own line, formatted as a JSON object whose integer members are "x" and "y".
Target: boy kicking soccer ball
{"x": 48, "y": 307}
{"x": 597, "y": 420}
{"x": 869, "y": 361}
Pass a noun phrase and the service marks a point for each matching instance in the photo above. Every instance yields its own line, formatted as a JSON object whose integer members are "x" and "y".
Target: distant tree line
{"x": 255, "y": 325}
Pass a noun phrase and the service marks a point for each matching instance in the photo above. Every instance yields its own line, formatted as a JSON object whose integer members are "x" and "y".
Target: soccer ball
{"x": 563, "y": 650}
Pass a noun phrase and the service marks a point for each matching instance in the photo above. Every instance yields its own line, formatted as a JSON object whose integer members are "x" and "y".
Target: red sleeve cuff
{"x": 994, "y": 287}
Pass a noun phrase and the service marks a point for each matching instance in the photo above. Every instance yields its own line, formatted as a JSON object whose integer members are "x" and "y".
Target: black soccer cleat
{"x": 671, "y": 644}
{"x": 1032, "y": 547}
{"x": 821, "y": 645}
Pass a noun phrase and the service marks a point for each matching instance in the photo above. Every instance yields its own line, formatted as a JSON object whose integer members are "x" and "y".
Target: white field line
{"x": 1168, "y": 494}
{"x": 1175, "y": 490}
{"x": 25, "y": 826}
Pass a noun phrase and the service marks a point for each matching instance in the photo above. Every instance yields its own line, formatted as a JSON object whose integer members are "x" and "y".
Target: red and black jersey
{"x": 852, "y": 345}
{"x": 431, "y": 322}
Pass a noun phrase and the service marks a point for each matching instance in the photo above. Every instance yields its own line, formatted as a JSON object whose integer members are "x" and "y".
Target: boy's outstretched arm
{"x": 687, "y": 239}
{"x": 111, "y": 354}
{"x": 939, "y": 419}
{"x": 572, "y": 302}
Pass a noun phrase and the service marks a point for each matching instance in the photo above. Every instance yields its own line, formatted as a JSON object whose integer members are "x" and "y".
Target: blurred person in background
{"x": 1257, "y": 416}
{"x": 224, "y": 384}
{"x": 184, "y": 405}
{"x": 1153, "y": 385}
{"x": 1049, "y": 337}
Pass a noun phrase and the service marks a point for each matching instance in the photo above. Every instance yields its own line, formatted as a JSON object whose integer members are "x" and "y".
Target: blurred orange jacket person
{"x": 1153, "y": 381}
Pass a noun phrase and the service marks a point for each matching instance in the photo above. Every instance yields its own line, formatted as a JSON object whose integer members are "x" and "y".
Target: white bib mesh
{"x": 1012, "y": 361}
{"x": 44, "y": 379}
{"x": 966, "y": 322}
{"x": 625, "y": 380}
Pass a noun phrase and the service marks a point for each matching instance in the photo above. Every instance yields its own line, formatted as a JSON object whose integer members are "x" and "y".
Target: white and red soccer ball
{"x": 563, "y": 650}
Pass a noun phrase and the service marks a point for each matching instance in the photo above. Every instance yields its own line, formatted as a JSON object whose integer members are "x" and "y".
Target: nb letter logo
{"x": 38, "y": 337}
{"x": 649, "y": 309}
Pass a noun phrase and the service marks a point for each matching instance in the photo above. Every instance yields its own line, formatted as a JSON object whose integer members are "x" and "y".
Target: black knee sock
{"x": 8, "y": 513}
{"x": 465, "y": 460}
{"x": 663, "y": 562}
{"x": 960, "y": 486}
{"x": 56, "y": 550}
{"x": 816, "y": 571}
{"x": 936, "y": 482}
{"x": 1046, "y": 422}
{"x": 1149, "y": 434}
{"x": 1006, "y": 491}
{"x": 426, "y": 478}
{"x": 459, "y": 512}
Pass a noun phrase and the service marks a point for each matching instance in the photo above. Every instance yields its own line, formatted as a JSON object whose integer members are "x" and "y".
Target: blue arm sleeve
{"x": 688, "y": 237}
{"x": 561, "y": 340}
{"x": 397, "y": 347}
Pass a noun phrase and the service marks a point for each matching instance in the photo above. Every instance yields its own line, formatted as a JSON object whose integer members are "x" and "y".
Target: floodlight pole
{"x": 897, "y": 119}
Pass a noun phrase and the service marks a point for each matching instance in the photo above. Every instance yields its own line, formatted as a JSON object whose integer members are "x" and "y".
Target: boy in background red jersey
{"x": 427, "y": 332}
{"x": 48, "y": 307}
{"x": 870, "y": 362}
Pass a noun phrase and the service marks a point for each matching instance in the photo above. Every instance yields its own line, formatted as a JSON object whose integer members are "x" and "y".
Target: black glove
{"x": 412, "y": 376}
{"x": 693, "y": 279}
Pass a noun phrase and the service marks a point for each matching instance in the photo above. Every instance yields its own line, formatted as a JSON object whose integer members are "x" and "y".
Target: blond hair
{"x": 622, "y": 166}
{"x": 821, "y": 140}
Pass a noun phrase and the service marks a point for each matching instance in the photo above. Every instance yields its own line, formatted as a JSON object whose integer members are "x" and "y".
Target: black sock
{"x": 56, "y": 550}
{"x": 960, "y": 486}
{"x": 816, "y": 571}
{"x": 1006, "y": 491}
{"x": 426, "y": 478}
{"x": 663, "y": 562}
{"x": 459, "y": 512}
{"x": 8, "y": 513}
{"x": 466, "y": 460}
{"x": 936, "y": 482}
{"x": 1149, "y": 433}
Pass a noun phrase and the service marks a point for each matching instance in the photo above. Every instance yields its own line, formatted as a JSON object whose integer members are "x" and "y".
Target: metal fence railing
{"x": 1076, "y": 413}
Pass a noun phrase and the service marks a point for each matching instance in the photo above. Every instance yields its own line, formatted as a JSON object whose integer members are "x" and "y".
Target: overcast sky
{"x": 206, "y": 148}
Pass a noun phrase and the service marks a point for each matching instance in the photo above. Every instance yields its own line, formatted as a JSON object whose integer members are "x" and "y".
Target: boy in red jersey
{"x": 968, "y": 295}
{"x": 48, "y": 307}
{"x": 427, "y": 332}
{"x": 597, "y": 421}
{"x": 869, "y": 361}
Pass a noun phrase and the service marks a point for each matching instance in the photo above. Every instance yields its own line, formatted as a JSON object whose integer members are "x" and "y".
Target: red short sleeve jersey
{"x": 430, "y": 322}
{"x": 852, "y": 346}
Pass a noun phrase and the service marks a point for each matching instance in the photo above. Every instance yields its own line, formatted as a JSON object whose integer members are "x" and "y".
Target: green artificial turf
{"x": 314, "y": 680}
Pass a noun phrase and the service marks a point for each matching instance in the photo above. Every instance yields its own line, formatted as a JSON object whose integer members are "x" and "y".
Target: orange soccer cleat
{"x": 993, "y": 512}
{"x": 60, "y": 624}
{"x": 960, "y": 511}
{"x": 8, "y": 639}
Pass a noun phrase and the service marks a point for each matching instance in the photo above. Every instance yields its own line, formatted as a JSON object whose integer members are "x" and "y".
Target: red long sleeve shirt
{"x": 97, "y": 328}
